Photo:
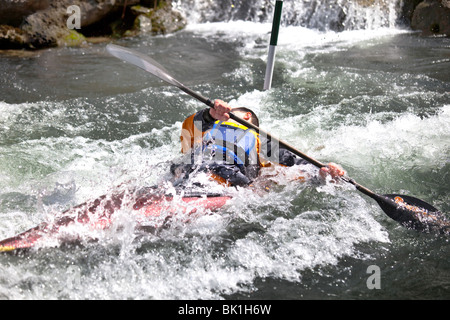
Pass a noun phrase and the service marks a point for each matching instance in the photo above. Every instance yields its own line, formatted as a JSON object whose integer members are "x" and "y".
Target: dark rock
{"x": 93, "y": 12}
{"x": 407, "y": 10}
{"x": 12, "y": 12}
{"x": 432, "y": 17}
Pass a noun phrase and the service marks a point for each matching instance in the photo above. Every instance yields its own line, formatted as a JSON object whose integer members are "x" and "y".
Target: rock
{"x": 50, "y": 27}
{"x": 432, "y": 17}
{"x": 142, "y": 24}
{"x": 12, "y": 12}
{"x": 406, "y": 12}
{"x": 12, "y": 37}
{"x": 46, "y": 23}
{"x": 73, "y": 39}
{"x": 93, "y": 12}
{"x": 162, "y": 20}
{"x": 45, "y": 27}
{"x": 167, "y": 21}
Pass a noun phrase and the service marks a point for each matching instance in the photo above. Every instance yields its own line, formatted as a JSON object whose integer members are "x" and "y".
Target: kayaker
{"x": 230, "y": 152}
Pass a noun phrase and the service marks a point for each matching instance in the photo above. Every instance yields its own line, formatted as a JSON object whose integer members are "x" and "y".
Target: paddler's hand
{"x": 220, "y": 111}
{"x": 332, "y": 169}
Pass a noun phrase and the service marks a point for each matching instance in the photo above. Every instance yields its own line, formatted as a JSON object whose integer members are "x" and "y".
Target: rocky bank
{"x": 34, "y": 24}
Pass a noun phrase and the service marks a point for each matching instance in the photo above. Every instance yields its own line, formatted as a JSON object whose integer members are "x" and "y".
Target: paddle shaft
{"x": 281, "y": 143}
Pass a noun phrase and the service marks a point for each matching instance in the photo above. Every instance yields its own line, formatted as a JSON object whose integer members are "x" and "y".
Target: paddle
{"x": 408, "y": 211}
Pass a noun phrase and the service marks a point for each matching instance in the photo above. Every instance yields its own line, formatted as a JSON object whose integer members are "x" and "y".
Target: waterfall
{"x": 337, "y": 15}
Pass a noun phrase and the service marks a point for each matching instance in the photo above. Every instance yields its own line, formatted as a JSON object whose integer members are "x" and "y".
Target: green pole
{"x": 273, "y": 44}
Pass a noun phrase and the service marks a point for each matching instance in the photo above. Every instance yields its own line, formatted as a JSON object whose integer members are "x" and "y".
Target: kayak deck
{"x": 151, "y": 209}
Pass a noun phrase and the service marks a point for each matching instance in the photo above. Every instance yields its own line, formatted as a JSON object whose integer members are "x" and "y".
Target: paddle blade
{"x": 414, "y": 213}
{"x": 148, "y": 64}
{"x": 142, "y": 61}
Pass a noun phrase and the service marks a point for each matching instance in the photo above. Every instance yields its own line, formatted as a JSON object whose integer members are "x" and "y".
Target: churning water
{"x": 76, "y": 123}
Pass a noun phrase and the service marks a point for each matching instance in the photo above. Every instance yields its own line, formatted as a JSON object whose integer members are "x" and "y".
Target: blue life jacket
{"x": 232, "y": 144}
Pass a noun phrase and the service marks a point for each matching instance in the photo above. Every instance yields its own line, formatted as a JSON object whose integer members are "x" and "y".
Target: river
{"x": 77, "y": 123}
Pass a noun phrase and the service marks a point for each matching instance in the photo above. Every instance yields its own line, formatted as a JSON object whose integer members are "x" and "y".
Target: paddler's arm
{"x": 289, "y": 159}
{"x": 196, "y": 124}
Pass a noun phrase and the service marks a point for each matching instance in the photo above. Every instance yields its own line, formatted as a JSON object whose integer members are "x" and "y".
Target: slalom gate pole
{"x": 273, "y": 44}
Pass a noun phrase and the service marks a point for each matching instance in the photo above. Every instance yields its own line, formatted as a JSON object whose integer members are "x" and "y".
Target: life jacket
{"x": 227, "y": 150}
{"x": 230, "y": 152}
{"x": 231, "y": 143}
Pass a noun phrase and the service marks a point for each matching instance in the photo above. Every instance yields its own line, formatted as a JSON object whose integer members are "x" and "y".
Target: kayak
{"x": 149, "y": 207}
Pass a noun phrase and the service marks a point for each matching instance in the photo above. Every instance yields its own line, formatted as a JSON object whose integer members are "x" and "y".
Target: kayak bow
{"x": 151, "y": 209}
